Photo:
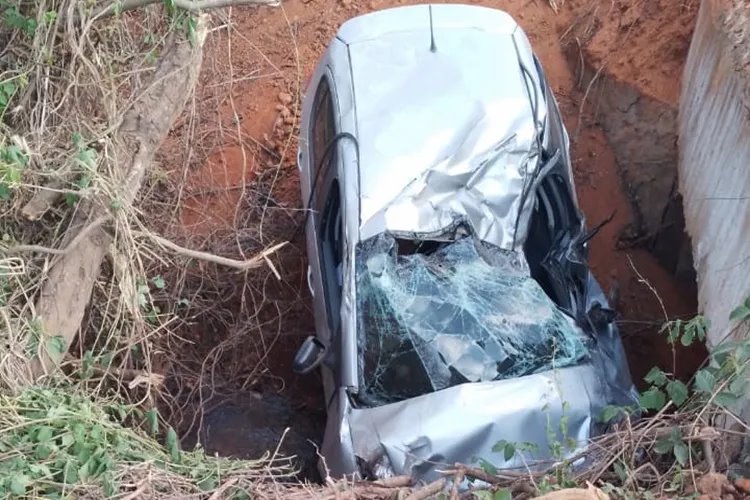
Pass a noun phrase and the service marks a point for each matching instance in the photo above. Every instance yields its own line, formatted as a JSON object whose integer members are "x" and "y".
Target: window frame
{"x": 327, "y": 196}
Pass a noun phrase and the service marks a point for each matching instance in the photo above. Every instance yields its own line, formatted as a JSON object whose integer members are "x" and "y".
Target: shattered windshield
{"x": 442, "y": 314}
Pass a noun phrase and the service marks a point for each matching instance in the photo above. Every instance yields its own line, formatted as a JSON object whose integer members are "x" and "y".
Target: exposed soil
{"x": 233, "y": 158}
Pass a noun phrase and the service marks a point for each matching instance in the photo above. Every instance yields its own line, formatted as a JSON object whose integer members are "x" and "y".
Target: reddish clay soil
{"x": 239, "y": 136}
{"x": 641, "y": 42}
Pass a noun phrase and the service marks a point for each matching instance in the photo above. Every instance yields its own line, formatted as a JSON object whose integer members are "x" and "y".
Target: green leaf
{"x": 687, "y": 337}
{"x": 56, "y": 348}
{"x": 192, "y": 28}
{"x": 678, "y": 392}
{"x": 44, "y": 434}
{"x": 705, "y": 381}
{"x": 152, "y": 417}
{"x": 621, "y": 471}
{"x": 739, "y": 386}
{"x": 208, "y": 483}
{"x": 656, "y": 377}
{"x": 725, "y": 398}
{"x": 87, "y": 158}
{"x": 70, "y": 472}
{"x": 509, "y": 452}
{"x": 482, "y": 494}
{"x": 19, "y": 483}
{"x": 487, "y": 467}
{"x": 158, "y": 282}
{"x": 611, "y": 412}
{"x": 653, "y": 399}
{"x": 741, "y": 313}
{"x": 663, "y": 446}
{"x": 681, "y": 452}
{"x": 169, "y": 4}
{"x": 502, "y": 494}
{"x": 173, "y": 445}
{"x": 67, "y": 440}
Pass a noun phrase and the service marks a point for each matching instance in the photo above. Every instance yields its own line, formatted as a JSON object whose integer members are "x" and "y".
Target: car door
{"x": 325, "y": 226}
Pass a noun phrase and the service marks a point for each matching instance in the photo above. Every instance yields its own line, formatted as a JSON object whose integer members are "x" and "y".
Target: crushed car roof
{"x": 444, "y": 134}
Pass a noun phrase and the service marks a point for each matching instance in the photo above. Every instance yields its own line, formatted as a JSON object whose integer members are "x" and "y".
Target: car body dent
{"x": 419, "y": 435}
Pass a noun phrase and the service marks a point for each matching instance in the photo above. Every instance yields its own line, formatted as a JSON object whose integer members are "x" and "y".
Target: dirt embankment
{"x": 234, "y": 156}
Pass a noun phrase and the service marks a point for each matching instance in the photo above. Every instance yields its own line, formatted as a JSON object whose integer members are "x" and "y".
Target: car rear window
{"x": 433, "y": 315}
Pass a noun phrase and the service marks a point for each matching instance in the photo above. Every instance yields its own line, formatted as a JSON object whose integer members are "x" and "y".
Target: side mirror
{"x": 309, "y": 356}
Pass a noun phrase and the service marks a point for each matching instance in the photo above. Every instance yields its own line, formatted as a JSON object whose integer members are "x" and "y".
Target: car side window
{"x": 323, "y": 128}
{"x": 327, "y": 201}
{"x": 331, "y": 251}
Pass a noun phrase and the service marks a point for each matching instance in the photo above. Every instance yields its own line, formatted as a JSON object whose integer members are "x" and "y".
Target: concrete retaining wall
{"x": 714, "y": 158}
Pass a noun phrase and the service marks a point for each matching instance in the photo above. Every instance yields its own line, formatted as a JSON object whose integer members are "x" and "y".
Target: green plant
{"x": 510, "y": 449}
{"x": 8, "y": 89}
{"x": 674, "y": 444}
{"x": 57, "y": 442}
{"x": 84, "y": 161}
{"x": 12, "y": 163}
{"x": 686, "y": 332}
{"x": 14, "y": 19}
{"x": 742, "y": 312}
{"x": 500, "y": 494}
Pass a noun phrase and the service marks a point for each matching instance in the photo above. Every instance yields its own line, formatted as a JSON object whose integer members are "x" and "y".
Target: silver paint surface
{"x": 445, "y": 137}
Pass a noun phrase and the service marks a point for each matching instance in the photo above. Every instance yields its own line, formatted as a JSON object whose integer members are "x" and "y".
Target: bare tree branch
{"x": 242, "y": 265}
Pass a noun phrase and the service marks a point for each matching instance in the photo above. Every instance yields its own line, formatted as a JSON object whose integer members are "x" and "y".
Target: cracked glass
{"x": 433, "y": 315}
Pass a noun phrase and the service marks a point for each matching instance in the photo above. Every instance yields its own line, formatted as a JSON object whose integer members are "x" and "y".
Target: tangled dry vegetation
{"x": 87, "y": 94}
{"x": 90, "y": 405}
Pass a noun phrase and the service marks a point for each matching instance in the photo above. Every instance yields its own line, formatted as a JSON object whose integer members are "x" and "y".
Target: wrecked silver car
{"x": 453, "y": 303}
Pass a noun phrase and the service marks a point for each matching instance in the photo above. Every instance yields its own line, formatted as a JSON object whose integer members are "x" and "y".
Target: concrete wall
{"x": 714, "y": 158}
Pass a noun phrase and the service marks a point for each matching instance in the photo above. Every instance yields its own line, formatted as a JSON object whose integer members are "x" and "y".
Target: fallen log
{"x": 67, "y": 290}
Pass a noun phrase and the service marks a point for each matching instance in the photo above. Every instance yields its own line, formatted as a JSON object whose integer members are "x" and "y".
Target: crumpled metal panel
{"x": 461, "y": 424}
{"x": 448, "y": 135}
{"x": 465, "y": 312}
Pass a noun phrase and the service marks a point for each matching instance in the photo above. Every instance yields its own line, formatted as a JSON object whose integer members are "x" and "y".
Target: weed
{"x": 57, "y": 442}
{"x": 13, "y": 161}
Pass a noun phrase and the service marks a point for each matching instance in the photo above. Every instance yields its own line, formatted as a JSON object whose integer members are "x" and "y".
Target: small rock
{"x": 285, "y": 98}
{"x": 743, "y": 484}
{"x": 346, "y": 3}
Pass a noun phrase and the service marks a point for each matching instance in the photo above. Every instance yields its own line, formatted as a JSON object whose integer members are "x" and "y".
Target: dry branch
{"x": 242, "y": 265}
{"x": 66, "y": 293}
{"x": 191, "y": 6}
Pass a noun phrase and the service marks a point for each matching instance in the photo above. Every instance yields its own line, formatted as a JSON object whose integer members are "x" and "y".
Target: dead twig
{"x": 221, "y": 489}
{"x": 394, "y": 482}
{"x": 242, "y": 265}
{"x": 431, "y": 489}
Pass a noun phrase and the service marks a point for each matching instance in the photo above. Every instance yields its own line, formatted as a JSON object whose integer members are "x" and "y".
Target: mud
{"x": 232, "y": 162}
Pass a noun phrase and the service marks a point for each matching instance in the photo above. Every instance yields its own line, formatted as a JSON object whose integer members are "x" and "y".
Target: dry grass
{"x": 73, "y": 77}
